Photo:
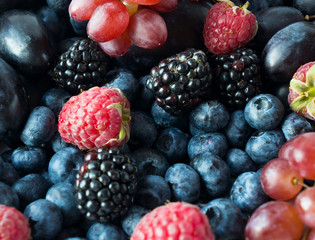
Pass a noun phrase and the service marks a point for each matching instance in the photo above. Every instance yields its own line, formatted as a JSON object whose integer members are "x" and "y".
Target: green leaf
{"x": 298, "y": 86}
{"x": 300, "y": 102}
{"x": 310, "y": 76}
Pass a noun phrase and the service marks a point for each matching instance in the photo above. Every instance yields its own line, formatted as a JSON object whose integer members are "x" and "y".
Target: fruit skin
{"x": 238, "y": 77}
{"x": 264, "y": 146}
{"x": 182, "y": 81}
{"x": 247, "y": 192}
{"x": 264, "y": 112}
{"x": 96, "y": 118}
{"x": 184, "y": 182}
{"x": 294, "y": 124}
{"x": 105, "y": 231}
{"x": 239, "y": 162}
{"x": 228, "y": 27}
{"x": 225, "y": 218}
{"x": 33, "y": 56}
{"x": 292, "y": 42}
{"x": 165, "y": 221}
{"x": 302, "y": 86}
{"x": 45, "y": 219}
{"x": 8, "y": 197}
{"x": 13, "y": 224}
{"x": 130, "y": 221}
{"x": 153, "y": 191}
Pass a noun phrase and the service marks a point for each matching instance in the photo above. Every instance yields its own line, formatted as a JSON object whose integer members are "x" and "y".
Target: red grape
{"x": 305, "y": 206}
{"x": 147, "y": 29}
{"x": 300, "y": 152}
{"x": 277, "y": 179}
{"x": 165, "y": 5}
{"x": 144, "y": 2}
{"x": 82, "y": 10}
{"x": 109, "y": 20}
{"x": 311, "y": 235}
{"x": 118, "y": 46}
{"x": 131, "y": 7}
{"x": 276, "y": 220}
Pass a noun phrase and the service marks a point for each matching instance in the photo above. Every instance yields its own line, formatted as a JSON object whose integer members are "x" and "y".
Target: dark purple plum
{"x": 13, "y": 101}
{"x": 184, "y": 24}
{"x": 287, "y": 50}
{"x": 24, "y": 42}
{"x": 269, "y": 22}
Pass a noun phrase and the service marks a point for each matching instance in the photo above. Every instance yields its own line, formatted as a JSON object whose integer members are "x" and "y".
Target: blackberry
{"x": 238, "y": 76}
{"x": 181, "y": 82}
{"x": 81, "y": 67}
{"x": 105, "y": 184}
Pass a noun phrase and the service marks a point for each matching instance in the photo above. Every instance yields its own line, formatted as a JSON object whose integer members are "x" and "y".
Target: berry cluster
{"x": 116, "y": 24}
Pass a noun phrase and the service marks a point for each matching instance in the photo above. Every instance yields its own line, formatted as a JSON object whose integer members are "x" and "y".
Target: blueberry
{"x": 65, "y": 164}
{"x": 264, "y": 112}
{"x": 149, "y": 161}
{"x": 45, "y": 219}
{"x": 30, "y": 188}
{"x": 60, "y": 6}
{"x": 209, "y": 116}
{"x": 8, "y": 196}
{"x": 172, "y": 142}
{"x": 40, "y": 127}
{"x": 264, "y": 146}
{"x": 164, "y": 119}
{"x": 152, "y": 192}
{"x": 294, "y": 125}
{"x": 105, "y": 231}
{"x": 2, "y": 165}
{"x": 132, "y": 218}
{"x": 74, "y": 231}
{"x": 237, "y": 131}
{"x": 195, "y": 131}
{"x": 214, "y": 173}
{"x": 10, "y": 174}
{"x": 75, "y": 238}
{"x": 214, "y": 142}
{"x": 57, "y": 143}
{"x": 247, "y": 192}
{"x": 145, "y": 97}
{"x": 225, "y": 218}
{"x": 29, "y": 159}
{"x": 124, "y": 80}
{"x": 79, "y": 27}
{"x": 143, "y": 131}
{"x": 239, "y": 162}
{"x": 55, "y": 98}
{"x": 184, "y": 182}
{"x": 62, "y": 194}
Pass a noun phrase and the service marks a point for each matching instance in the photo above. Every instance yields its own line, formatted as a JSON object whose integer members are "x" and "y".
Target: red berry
{"x": 302, "y": 91}
{"x": 13, "y": 224}
{"x": 144, "y": 2}
{"x": 95, "y": 118}
{"x": 228, "y": 27}
{"x": 178, "y": 220}
{"x": 109, "y": 20}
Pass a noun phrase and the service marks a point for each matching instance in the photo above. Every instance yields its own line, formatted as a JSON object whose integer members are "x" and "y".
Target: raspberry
{"x": 96, "y": 118}
{"x": 228, "y": 27}
{"x": 302, "y": 91}
{"x": 13, "y": 224}
{"x": 177, "y": 220}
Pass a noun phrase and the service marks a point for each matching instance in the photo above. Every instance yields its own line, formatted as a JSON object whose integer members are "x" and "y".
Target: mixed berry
{"x": 157, "y": 119}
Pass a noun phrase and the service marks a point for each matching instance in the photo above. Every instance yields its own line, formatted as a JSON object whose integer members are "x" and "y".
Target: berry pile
{"x": 207, "y": 136}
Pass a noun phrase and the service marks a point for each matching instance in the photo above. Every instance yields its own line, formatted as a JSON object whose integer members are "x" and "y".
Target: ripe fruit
{"x": 95, "y": 118}
{"x": 302, "y": 91}
{"x": 177, "y": 220}
{"x": 105, "y": 185}
{"x": 305, "y": 206}
{"x": 228, "y": 27}
{"x": 13, "y": 224}
{"x": 275, "y": 220}
{"x": 181, "y": 82}
{"x": 82, "y": 66}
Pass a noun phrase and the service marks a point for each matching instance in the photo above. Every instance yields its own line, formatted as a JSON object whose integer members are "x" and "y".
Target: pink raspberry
{"x": 96, "y": 118}
{"x": 174, "y": 221}
{"x": 228, "y": 27}
{"x": 13, "y": 224}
